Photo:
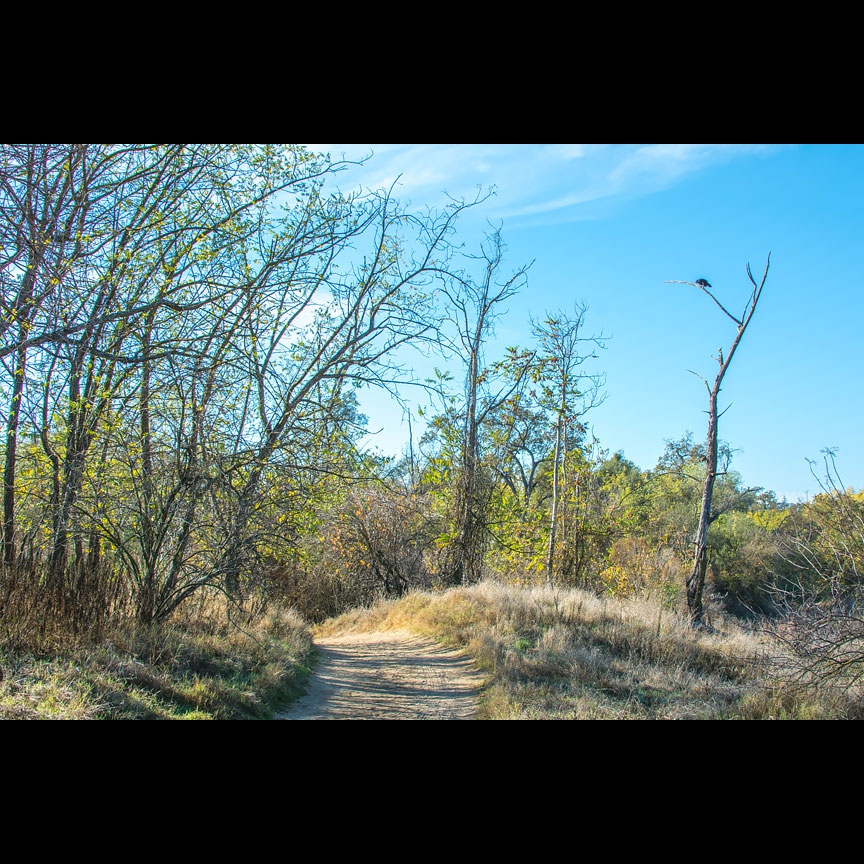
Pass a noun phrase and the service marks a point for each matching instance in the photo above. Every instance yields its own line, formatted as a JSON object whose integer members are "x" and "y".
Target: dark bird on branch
{"x": 703, "y": 282}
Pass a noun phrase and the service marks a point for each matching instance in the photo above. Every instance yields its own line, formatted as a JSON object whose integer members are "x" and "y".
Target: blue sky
{"x": 607, "y": 225}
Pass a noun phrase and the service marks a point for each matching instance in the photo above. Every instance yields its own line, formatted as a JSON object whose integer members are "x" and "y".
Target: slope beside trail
{"x": 393, "y": 675}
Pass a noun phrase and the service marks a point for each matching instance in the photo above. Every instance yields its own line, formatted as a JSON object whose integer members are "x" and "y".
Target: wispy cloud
{"x": 531, "y": 180}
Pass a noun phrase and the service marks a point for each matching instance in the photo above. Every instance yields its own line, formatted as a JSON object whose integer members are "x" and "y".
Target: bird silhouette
{"x": 703, "y": 282}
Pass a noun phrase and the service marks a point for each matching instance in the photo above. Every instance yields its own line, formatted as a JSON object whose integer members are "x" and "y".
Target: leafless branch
{"x": 705, "y": 289}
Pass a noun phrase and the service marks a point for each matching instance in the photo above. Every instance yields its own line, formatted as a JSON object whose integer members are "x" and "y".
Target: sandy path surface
{"x": 387, "y": 676}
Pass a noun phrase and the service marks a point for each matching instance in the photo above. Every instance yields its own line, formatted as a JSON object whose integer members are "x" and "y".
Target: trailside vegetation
{"x": 186, "y": 335}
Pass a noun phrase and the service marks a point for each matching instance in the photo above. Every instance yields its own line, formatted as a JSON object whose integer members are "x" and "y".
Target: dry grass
{"x": 199, "y": 668}
{"x": 570, "y": 655}
{"x": 547, "y": 654}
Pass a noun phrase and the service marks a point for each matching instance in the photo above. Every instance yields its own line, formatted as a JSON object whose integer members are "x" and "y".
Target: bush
{"x": 376, "y": 544}
{"x": 744, "y": 559}
{"x": 638, "y": 569}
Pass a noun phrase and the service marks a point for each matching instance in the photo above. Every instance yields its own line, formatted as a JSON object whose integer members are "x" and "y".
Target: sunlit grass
{"x": 571, "y": 655}
{"x": 547, "y": 654}
{"x": 199, "y": 667}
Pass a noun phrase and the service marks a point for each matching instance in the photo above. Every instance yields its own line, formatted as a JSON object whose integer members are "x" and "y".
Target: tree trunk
{"x": 696, "y": 580}
{"x": 553, "y": 520}
{"x": 24, "y": 313}
{"x": 11, "y": 457}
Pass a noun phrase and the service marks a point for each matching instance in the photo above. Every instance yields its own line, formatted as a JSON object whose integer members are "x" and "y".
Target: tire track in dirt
{"x": 387, "y": 676}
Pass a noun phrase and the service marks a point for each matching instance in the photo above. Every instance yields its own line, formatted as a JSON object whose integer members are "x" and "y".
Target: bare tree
{"x": 42, "y": 210}
{"x": 475, "y": 305}
{"x": 696, "y": 579}
{"x": 360, "y": 317}
{"x": 180, "y": 325}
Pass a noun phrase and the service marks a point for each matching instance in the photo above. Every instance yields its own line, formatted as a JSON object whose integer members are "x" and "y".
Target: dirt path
{"x": 387, "y": 676}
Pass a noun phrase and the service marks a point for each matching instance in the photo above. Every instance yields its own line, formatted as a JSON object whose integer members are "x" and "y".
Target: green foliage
{"x": 823, "y": 548}
{"x": 745, "y": 547}
{"x": 636, "y": 569}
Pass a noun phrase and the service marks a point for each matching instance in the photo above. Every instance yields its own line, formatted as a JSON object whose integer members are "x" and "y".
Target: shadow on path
{"x": 387, "y": 676}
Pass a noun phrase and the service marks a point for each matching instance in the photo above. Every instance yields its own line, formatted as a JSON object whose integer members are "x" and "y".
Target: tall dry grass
{"x": 572, "y": 655}
{"x": 562, "y": 654}
{"x": 207, "y": 664}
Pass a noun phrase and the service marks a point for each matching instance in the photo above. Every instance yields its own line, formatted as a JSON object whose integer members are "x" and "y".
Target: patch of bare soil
{"x": 387, "y": 676}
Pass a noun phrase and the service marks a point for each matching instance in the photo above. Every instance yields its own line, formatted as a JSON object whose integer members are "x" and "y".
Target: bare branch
{"x": 705, "y": 289}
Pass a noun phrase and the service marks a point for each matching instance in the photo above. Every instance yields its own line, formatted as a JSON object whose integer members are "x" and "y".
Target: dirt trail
{"x": 387, "y": 676}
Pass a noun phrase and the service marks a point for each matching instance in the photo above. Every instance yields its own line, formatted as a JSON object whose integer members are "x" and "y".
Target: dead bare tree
{"x": 696, "y": 579}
